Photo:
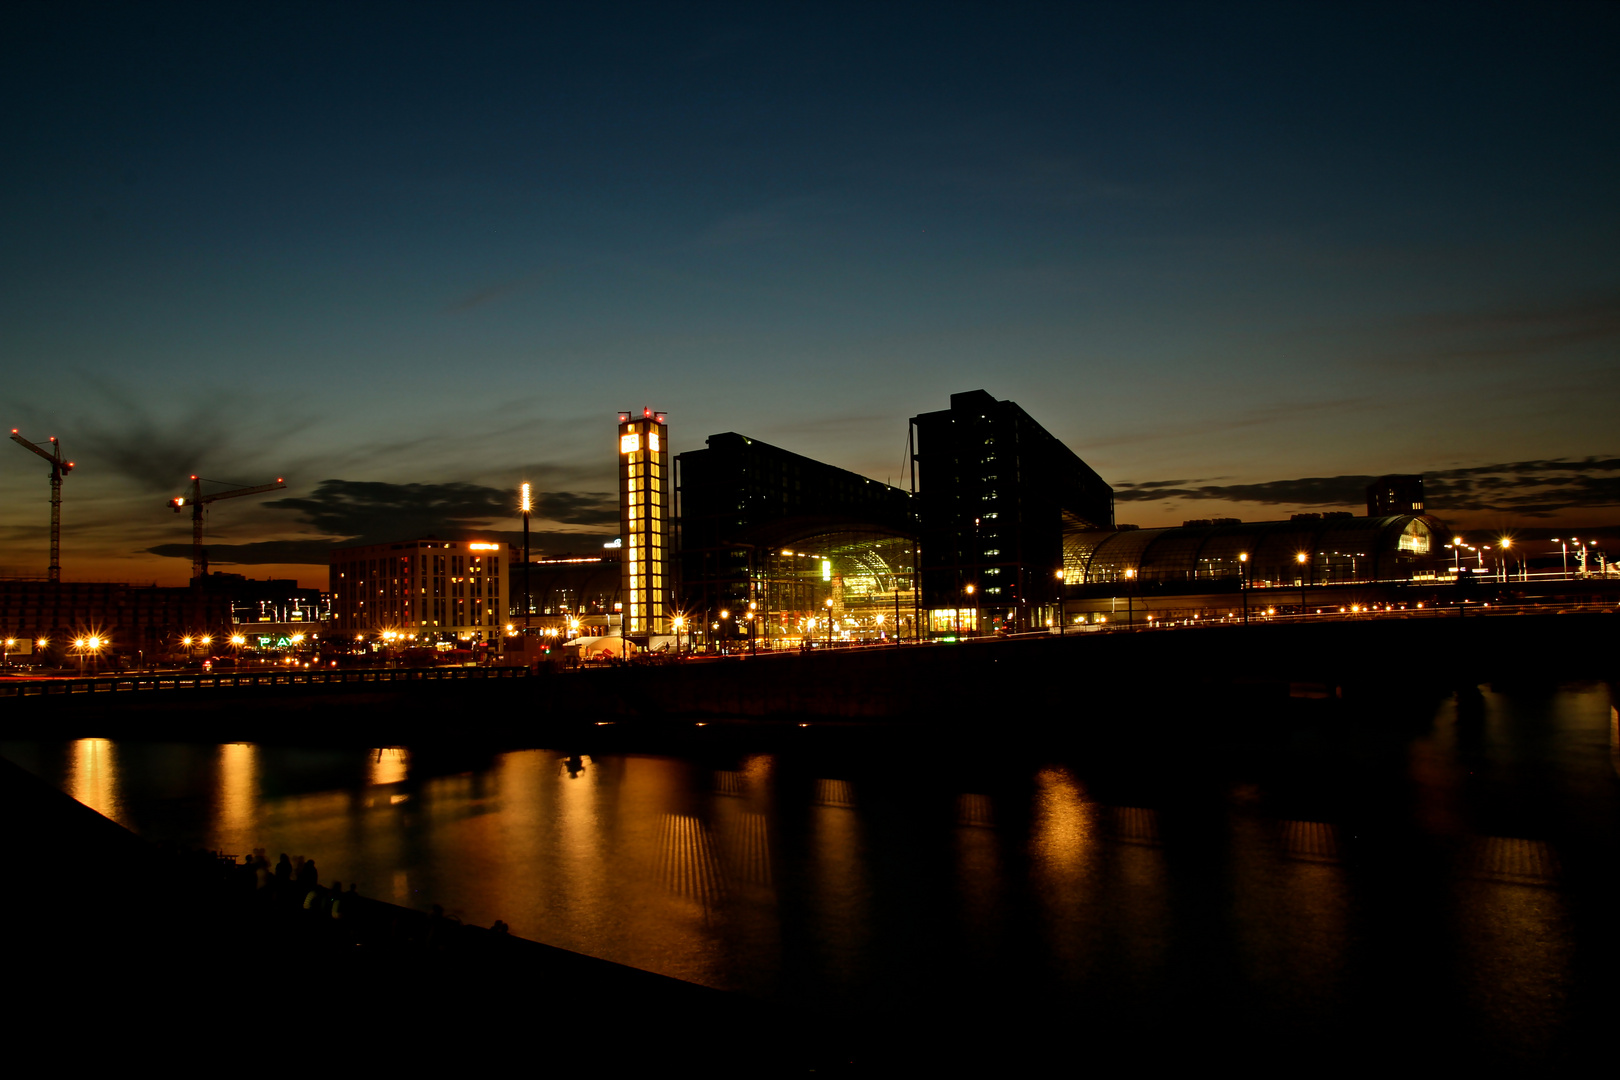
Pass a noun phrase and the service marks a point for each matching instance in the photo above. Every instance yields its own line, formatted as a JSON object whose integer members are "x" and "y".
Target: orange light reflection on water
{"x": 236, "y": 802}
{"x": 93, "y": 778}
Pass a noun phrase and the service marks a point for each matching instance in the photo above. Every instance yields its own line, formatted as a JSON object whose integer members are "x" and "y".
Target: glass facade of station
{"x": 847, "y": 585}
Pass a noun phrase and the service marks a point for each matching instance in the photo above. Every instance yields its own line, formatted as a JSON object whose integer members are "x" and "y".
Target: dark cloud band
{"x": 1533, "y": 488}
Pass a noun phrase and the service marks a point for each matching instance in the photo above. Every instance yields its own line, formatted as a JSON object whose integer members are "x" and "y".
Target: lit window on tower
{"x": 644, "y": 519}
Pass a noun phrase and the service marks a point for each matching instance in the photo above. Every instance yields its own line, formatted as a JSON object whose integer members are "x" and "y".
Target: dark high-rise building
{"x": 1398, "y": 493}
{"x": 764, "y": 529}
{"x": 997, "y": 493}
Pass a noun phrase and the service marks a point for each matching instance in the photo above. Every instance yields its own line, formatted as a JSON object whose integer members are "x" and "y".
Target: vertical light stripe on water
{"x": 975, "y": 810}
{"x": 835, "y": 793}
{"x": 93, "y": 777}
{"x": 688, "y": 865}
{"x": 235, "y": 828}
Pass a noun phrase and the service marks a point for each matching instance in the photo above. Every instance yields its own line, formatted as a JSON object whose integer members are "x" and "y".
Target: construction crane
{"x": 199, "y": 559}
{"x": 59, "y": 469}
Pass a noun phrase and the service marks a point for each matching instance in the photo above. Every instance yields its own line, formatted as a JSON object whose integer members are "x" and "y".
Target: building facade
{"x": 997, "y": 495}
{"x": 646, "y": 491}
{"x": 791, "y": 546}
{"x": 1398, "y": 493}
{"x": 431, "y": 590}
{"x": 136, "y": 621}
{"x": 569, "y": 584}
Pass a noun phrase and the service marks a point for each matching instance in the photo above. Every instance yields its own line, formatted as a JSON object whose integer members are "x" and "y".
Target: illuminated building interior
{"x": 849, "y": 585}
{"x": 766, "y": 527}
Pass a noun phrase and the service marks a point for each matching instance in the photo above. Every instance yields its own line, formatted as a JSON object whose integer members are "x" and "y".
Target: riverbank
{"x": 116, "y": 939}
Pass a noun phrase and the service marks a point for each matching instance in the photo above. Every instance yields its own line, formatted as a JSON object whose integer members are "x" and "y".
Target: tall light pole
{"x": 526, "y": 505}
{"x": 1300, "y": 557}
{"x": 1243, "y": 583}
{"x": 829, "y": 622}
{"x": 1565, "y": 550}
{"x": 1063, "y": 616}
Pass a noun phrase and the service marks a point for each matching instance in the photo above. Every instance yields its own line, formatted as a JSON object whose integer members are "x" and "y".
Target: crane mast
{"x": 59, "y": 469}
{"x": 199, "y": 556}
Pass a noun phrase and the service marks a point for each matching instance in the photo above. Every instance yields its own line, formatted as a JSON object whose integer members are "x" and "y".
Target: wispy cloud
{"x": 1537, "y": 488}
{"x": 500, "y": 291}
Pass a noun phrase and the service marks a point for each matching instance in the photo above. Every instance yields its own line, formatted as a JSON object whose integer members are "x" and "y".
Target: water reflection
{"x": 1370, "y": 870}
{"x": 93, "y": 778}
{"x": 236, "y": 809}
{"x": 390, "y": 766}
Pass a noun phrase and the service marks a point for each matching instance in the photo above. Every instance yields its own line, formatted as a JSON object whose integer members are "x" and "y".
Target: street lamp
{"x": 1300, "y": 557}
{"x": 1130, "y": 597}
{"x": 1063, "y": 614}
{"x": 679, "y": 625}
{"x": 1243, "y": 583}
{"x": 829, "y": 621}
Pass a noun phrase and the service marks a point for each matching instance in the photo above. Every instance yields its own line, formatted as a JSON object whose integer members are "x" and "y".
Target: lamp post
{"x": 1130, "y": 597}
{"x": 724, "y": 615}
{"x": 1243, "y": 583}
{"x": 829, "y": 622}
{"x": 1502, "y": 547}
{"x": 5, "y": 657}
{"x": 1300, "y": 557}
{"x": 1063, "y": 615}
{"x": 973, "y": 594}
{"x": 678, "y": 624}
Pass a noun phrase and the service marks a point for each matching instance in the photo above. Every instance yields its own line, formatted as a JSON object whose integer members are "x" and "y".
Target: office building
{"x": 429, "y": 590}
{"x": 997, "y": 495}
{"x": 1398, "y": 493}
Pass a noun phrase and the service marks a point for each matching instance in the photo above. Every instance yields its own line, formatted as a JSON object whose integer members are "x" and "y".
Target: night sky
{"x": 1240, "y": 258}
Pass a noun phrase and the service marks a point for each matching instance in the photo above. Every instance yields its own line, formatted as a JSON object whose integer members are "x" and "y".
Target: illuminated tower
{"x": 644, "y": 513}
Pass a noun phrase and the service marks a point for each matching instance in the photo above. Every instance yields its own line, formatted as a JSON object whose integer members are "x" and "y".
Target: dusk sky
{"x": 1238, "y": 257}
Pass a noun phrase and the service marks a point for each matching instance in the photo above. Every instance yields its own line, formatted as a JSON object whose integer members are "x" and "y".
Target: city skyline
{"x": 1239, "y": 260}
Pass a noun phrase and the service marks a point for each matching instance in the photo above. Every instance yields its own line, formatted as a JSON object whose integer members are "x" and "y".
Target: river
{"x": 1460, "y": 859}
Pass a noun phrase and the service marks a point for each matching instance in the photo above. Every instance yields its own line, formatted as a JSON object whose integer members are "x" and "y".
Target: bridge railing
{"x": 136, "y": 683}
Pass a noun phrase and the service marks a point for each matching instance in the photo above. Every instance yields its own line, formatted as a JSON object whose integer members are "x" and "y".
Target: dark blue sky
{"x": 369, "y": 246}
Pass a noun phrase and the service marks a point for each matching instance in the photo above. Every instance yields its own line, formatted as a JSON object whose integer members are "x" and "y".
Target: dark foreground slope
{"x": 119, "y": 950}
